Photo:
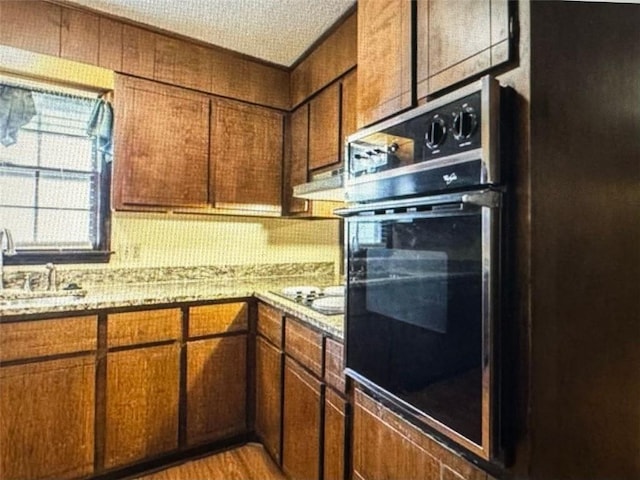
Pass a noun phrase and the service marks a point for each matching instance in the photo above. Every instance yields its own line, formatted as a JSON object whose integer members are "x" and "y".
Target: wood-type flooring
{"x": 249, "y": 462}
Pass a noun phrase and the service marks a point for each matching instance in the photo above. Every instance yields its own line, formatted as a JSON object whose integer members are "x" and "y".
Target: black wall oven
{"x": 424, "y": 260}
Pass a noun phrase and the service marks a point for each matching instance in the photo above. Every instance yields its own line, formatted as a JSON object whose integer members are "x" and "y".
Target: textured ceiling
{"x": 277, "y": 31}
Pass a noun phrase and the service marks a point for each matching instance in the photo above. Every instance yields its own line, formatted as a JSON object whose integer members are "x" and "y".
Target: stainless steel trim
{"x": 485, "y": 198}
{"x": 456, "y": 159}
{"x": 490, "y": 127}
{"x": 328, "y": 188}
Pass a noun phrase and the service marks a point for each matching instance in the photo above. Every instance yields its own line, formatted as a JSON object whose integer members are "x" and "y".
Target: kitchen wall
{"x": 154, "y": 240}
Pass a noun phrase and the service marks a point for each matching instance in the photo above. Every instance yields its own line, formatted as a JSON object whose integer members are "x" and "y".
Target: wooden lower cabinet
{"x": 216, "y": 388}
{"x": 269, "y": 396}
{"x": 142, "y": 395}
{"x": 303, "y": 403}
{"x": 47, "y": 419}
{"x": 385, "y": 446}
{"x": 335, "y": 435}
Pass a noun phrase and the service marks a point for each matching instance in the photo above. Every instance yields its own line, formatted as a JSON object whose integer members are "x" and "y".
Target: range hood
{"x": 323, "y": 186}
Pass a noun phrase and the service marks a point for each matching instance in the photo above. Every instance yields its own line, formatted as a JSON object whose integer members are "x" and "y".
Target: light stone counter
{"x": 160, "y": 293}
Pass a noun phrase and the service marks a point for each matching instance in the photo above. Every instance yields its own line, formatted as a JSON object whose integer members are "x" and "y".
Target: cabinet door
{"x": 141, "y": 403}
{"x": 80, "y": 36}
{"x": 268, "y": 395}
{"x": 162, "y": 145}
{"x": 246, "y": 156}
{"x": 384, "y": 59}
{"x": 335, "y": 430}
{"x": 459, "y": 39}
{"x": 216, "y": 388}
{"x": 381, "y": 451}
{"x": 47, "y": 419}
{"x": 298, "y": 164}
{"x": 32, "y": 26}
{"x": 324, "y": 128}
{"x": 348, "y": 117}
{"x": 303, "y": 399}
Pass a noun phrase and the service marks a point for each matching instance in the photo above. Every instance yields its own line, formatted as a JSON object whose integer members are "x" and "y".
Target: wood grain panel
{"x": 132, "y": 328}
{"x": 80, "y": 36}
{"x": 249, "y": 462}
{"x": 247, "y": 145}
{"x": 47, "y": 412}
{"x": 270, "y": 324}
{"x": 141, "y": 403}
{"x": 335, "y": 56}
{"x": 138, "y": 51}
{"x": 384, "y": 59}
{"x": 220, "y": 318}
{"x": 324, "y": 127}
{"x": 32, "y": 26}
{"x": 304, "y": 344}
{"x": 301, "y": 423}
{"x": 334, "y": 364}
{"x": 162, "y": 136}
{"x": 38, "y": 338}
{"x": 349, "y": 114}
{"x": 182, "y": 63}
{"x": 236, "y": 77}
{"x": 268, "y": 395}
{"x": 216, "y": 388}
{"x": 110, "y": 50}
{"x": 335, "y": 431}
{"x": 296, "y": 168}
{"x": 383, "y": 442}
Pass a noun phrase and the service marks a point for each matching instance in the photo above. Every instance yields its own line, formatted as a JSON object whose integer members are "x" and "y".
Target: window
{"x": 54, "y": 183}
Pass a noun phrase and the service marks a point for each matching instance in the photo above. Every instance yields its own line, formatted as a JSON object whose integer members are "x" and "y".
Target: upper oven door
{"x": 422, "y": 307}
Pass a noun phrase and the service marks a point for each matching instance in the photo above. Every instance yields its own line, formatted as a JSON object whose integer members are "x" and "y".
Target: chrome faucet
{"x": 6, "y": 248}
{"x": 52, "y": 280}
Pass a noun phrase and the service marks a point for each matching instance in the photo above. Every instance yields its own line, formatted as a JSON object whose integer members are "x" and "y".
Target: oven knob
{"x": 464, "y": 123}
{"x": 436, "y": 132}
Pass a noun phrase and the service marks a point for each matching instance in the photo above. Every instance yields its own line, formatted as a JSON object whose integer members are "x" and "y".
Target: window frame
{"x": 101, "y": 251}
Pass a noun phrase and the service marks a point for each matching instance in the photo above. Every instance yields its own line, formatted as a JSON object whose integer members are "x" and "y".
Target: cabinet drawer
{"x": 221, "y": 318}
{"x": 304, "y": 344}
{"x": 28, "y": 339}
{"x": 333, "y": 364}
{"x": 131, "y": 328}
{"x": 270, "y": 324}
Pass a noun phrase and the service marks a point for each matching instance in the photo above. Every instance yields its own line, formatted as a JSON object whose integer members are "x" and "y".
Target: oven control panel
{"x": 448, "y": 143}
{"x": 445, "y": 131}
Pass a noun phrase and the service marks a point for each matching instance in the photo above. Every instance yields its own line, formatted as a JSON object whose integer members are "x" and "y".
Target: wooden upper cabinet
{"x": 457, "y": 40}
{"x": 182, "y": 63}
{"x": 80, "y": 36}
{"x": 324, "y": 128}
{"x": 47, "y": 419}
{"x": 110, "y": 49}
{"x": 246, "y": 155}
{"x": 138, "y": 51}
{"x": 297, "y": 161}
{"x": 30, "y": 25}
{"x": 348, "y": 116}
{"x": 384, "y": 59}
{"x": 334, "y": 57}
{"x": 161, "y": 145}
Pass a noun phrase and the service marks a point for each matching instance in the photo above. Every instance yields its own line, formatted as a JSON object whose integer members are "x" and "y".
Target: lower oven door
{"x": 422, "y": 310}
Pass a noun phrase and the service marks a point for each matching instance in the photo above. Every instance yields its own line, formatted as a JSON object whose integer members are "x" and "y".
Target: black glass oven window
{"x": 415, "y": 313}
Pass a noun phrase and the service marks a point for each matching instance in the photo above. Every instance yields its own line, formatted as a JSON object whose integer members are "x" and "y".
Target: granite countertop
{"x": 158, "y": 293}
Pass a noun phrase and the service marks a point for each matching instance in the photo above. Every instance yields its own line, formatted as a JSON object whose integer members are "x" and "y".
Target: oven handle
{"x": 467, "y": 203}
